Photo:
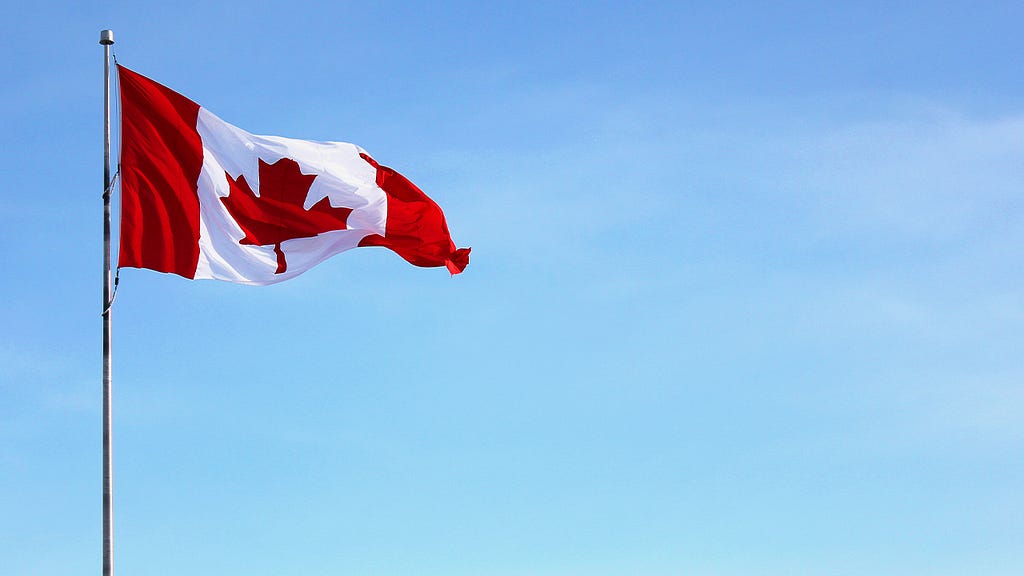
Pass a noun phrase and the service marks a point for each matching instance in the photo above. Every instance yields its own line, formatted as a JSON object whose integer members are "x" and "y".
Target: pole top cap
{"x": 106, "y": 37}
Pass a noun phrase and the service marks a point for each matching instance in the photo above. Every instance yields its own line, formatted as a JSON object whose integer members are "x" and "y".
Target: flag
{"x": 204, "y": 199}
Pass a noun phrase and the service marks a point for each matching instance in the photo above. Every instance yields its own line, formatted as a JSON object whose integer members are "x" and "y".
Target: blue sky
{"x": 745, "y": 297}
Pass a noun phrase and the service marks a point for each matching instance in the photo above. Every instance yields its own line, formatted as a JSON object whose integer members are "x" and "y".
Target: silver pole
{"x": 106, "y": 39}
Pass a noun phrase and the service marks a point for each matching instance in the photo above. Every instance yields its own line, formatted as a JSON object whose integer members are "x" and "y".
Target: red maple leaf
{"x": 277, "y": 214}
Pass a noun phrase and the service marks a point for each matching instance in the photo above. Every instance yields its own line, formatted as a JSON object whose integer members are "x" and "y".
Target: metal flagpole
{"x": 106, "y": 39}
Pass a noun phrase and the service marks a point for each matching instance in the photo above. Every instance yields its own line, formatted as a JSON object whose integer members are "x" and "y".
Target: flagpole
{"x": 107, "y": 39}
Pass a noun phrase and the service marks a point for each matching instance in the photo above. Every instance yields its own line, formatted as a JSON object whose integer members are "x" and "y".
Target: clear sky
{"x": 746, "y": 296}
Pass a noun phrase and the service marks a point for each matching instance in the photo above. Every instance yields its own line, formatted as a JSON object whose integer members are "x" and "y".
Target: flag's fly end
{"x": 458, "y": 261}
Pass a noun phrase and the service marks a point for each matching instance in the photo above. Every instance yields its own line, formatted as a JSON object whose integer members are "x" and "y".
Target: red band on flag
{"x": 416, "y": 228}
{"x": 161, "y": 158}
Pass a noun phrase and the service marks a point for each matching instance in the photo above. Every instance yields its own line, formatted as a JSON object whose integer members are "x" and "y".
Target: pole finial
{"x": 106, "y": 37}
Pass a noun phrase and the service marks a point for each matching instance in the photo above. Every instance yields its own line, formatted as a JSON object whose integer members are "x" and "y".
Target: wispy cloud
{"x": 932, "y": 177}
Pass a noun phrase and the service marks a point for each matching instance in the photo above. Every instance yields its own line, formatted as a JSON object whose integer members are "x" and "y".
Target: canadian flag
{"x": 204, "y": 199}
